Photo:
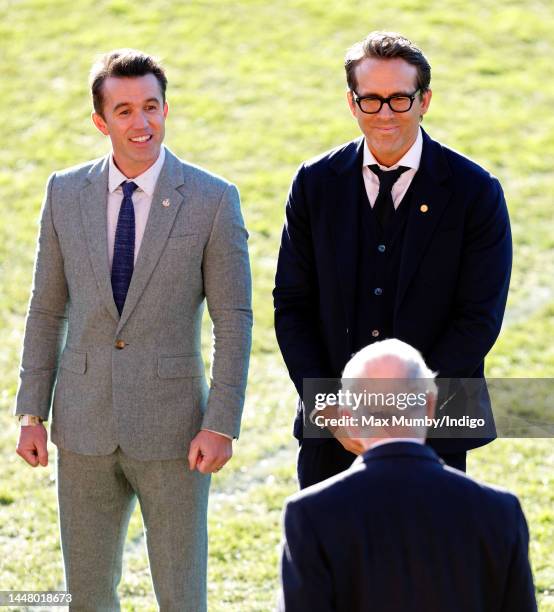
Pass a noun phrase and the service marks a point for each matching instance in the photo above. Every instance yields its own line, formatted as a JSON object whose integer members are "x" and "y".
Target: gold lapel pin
{"x": 166, "y": 203}
{"x": 424, "y": 208}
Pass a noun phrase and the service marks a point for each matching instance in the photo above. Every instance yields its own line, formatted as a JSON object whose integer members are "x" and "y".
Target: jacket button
{"x": 378, "y": 291}
{"x": 120, "y": 344}
{"x": 375, "y": 333}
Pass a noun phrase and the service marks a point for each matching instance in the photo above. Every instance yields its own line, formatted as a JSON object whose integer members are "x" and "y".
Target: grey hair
{"x": 411, "y": 372}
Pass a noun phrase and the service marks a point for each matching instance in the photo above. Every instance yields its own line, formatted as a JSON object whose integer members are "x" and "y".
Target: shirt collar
{"x": 145, "y": 181}
{"x": 410, "y": 159}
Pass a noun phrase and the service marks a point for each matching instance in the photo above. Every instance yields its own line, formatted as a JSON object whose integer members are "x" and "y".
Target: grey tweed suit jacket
{"x": 151, "y": 396}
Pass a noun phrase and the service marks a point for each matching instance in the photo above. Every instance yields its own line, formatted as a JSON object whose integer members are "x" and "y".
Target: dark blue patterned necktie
{"x": 124, "y": 247}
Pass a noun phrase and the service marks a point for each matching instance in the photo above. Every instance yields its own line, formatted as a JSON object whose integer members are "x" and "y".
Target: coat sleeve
{"x": 296, "y": 293}
{"x": 305, "y": 575}
{"x": 46, "y": 321}
{"x": 519, "y": 595}
{"x": 482, "y": 288}
{"x": 228, "y": 289}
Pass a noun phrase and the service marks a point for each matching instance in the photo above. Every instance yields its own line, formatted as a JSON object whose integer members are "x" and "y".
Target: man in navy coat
{"x": 392, "y": 235}
{"x": 400, "y": 530}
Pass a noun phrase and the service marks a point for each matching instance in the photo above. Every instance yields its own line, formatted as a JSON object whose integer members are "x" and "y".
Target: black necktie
{"x": 124, "y": 247}
{"x": 384, "y": 206}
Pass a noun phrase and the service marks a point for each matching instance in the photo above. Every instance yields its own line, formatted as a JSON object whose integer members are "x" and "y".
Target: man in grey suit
{"x": 129, "y": 247}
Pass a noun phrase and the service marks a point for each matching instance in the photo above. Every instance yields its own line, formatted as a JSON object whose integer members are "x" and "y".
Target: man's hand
{"x": 32, "y": 444}
{"x": 341, "y": 433}
{"x": 209, "y": 451}
{"x": 350, "y": 444}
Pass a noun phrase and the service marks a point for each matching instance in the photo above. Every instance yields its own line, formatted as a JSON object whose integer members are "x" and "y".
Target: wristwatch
{"x": 29, "y": 419}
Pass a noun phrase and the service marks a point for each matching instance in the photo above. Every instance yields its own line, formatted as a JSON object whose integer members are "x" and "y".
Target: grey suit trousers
{"x": 97, "y": 495}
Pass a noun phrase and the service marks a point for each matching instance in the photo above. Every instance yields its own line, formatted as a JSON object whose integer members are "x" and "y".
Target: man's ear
{"x": 425, "y": 102}
{"x": 431, "y": 404}
{"x": 351, "y": 103}
{"x": 99, "y": 122}
{"x": 166, "y": 109}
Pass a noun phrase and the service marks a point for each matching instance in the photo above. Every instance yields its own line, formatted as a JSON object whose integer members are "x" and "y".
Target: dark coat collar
{"x": 401, "y": 449}
{"x": 433, "y": 162}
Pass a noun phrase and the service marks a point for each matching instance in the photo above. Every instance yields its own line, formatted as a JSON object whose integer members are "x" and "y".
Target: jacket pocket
{"x": 180, "y": 366}
{"x": 74, "y": 361}
{"x": 183, "y": 241}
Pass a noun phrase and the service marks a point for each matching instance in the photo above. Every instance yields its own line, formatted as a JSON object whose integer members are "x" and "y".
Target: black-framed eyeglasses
{"x": 371, "y": 105}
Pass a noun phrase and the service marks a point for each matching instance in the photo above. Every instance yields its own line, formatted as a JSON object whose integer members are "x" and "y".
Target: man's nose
{"x": 140, "y": 120}
{"x": 386, "y": 111}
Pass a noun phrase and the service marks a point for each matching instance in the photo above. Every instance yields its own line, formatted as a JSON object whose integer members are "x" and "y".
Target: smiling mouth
{"x": 140, "y": 139}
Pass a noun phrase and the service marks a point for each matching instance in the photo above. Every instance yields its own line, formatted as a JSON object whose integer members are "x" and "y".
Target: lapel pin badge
{"x": 166, "y": 203}
{"x": 424, "y": 208}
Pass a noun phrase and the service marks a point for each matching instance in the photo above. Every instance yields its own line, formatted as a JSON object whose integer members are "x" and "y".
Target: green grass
{"x": 255, "y": 88}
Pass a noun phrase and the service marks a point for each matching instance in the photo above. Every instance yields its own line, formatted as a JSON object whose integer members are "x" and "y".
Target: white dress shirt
{"x": 411, "y": 159}
{"x": 142, "y": 199}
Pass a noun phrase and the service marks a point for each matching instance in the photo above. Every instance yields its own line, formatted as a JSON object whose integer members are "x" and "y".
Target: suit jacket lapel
{"x": 94, "y": 216}
{"x": 344, "y": 191}
{"x": 158, "y": 227}
{"x": 430, "y": 196}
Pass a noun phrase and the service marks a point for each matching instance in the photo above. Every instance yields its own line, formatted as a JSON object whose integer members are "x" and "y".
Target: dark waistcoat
{"x": 379, "y": 257}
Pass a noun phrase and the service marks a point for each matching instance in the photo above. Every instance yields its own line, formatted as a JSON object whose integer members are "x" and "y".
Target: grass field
{"x": 255, "y": 88}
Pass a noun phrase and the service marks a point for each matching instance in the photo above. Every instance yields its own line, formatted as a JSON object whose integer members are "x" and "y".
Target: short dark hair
{"x": 123, "y": 63}
{"x": 387, "y": 45}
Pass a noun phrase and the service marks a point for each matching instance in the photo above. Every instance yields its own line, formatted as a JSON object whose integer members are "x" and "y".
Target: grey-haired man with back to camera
{"x": 130, "y": 247}
{"x": 400, "y": 530}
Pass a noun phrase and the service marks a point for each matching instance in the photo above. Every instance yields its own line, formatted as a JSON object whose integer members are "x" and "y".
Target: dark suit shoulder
{"x": 463, "y": 167}
{"x": 475, "y": 189}
{"x": 328, "y": 490}
{"x": 323, "y": 159}
{"x": 404, "y": 478}
{"x": 317, "y": 167}
{"x": 493, "y": 492}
